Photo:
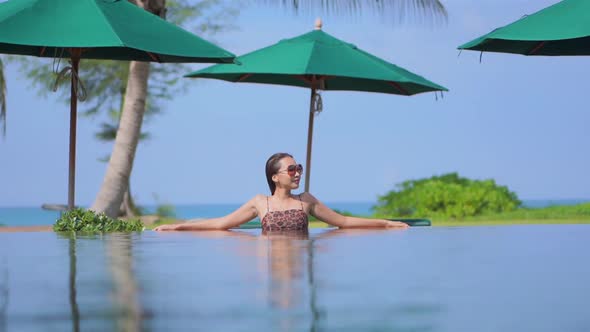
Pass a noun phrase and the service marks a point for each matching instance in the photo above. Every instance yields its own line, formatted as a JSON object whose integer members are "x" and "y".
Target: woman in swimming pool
{"x": 282, "y": 211}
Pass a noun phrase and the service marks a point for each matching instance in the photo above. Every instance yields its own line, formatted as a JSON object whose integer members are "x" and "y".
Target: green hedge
{"x": 447, "y": 196}
{"x": 87, "y": 221}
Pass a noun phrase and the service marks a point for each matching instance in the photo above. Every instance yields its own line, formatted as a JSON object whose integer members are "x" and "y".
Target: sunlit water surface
{"x": 506, "y": 278}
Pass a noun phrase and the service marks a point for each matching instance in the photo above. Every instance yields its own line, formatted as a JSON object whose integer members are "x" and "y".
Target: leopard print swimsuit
{"x": 287, "y": 220}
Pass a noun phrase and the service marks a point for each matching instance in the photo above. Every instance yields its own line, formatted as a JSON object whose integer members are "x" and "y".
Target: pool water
{"x": 504, "y": 278}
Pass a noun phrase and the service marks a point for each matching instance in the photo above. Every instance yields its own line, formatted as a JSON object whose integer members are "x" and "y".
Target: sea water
{"x": 28, "y": 216}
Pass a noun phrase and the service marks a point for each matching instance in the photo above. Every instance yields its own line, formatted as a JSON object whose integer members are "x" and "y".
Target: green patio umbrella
{"x": 560, "y": 29}
{"x": 318, "y": 61}
{"x": 96, "y": 29}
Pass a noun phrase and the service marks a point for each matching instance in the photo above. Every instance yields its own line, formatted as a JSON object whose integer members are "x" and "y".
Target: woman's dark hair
{"x": 272, "y": 167}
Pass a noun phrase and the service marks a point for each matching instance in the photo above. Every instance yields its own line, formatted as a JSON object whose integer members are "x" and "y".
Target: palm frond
{"x": 397, "y": 10}
{"x": 108, "y": 133}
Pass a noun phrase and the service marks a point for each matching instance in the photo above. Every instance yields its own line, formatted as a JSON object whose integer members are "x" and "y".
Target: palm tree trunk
{"x": 116, "y": 180}
{"x": 126, "y": 289}
{"x": 128, "y": 208}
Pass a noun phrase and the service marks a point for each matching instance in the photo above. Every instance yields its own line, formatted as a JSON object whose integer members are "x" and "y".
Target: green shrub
{"x": 557, "y": 212}
{"x": 86, "y": 221}
{"x": 448, "y": 196}
{"x": 165, "y": 210}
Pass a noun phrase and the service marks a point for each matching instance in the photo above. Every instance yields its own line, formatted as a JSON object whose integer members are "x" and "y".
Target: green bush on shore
{"x": 446, "y": 196}
{"x": 87, "y": 221}
{"x": 557, "y": 212}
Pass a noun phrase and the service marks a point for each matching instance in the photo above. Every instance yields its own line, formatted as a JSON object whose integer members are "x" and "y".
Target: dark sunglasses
{"x": 293, "y": 169}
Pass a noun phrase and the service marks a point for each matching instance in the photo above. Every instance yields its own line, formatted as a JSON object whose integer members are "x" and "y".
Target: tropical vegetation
{"x": 447, "y": 196}
{"x": 87, "y": 221}
{"x": 579, "y": 212}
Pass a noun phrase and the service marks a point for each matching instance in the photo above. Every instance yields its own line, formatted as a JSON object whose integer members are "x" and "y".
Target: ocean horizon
{"x": 36, "y": 215}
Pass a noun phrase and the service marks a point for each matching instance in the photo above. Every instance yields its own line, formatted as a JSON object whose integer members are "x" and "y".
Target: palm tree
{"x": 116, "y": 180}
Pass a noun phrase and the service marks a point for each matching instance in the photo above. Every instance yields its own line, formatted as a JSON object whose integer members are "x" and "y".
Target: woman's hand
{"x": 395, "y": 224}
{"x": 161, "y": 228}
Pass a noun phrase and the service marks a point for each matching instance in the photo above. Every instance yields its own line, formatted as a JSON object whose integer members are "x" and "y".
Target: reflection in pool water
{"x": 509, "y": 278}
{"x": 4, "y": 295}
{"x": 286, "y": 255}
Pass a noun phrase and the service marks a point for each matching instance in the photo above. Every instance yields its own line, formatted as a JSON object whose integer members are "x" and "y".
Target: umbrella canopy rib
{"x": 557, "y": 30}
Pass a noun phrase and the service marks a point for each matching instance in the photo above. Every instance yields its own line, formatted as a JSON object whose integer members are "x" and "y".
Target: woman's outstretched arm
{"x": 327, "y": 215}
{"x": 242, "y": 215}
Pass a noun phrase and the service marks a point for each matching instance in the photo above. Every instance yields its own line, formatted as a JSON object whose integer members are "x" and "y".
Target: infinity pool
{"x": 505, "y": 278}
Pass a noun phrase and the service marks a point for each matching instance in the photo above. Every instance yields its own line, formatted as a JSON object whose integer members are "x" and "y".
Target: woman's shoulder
{"x": 259, "y": 198}
{"x": 308, "y": 197}
{"x": 258, "y": 202}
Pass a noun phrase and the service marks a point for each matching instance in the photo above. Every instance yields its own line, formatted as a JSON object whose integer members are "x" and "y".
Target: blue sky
{"x": 522, "y": 121}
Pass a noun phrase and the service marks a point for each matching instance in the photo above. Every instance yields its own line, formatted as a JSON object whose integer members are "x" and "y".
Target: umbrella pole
{"x": 73, "y": 120}
{"x": 309, "y": 141}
